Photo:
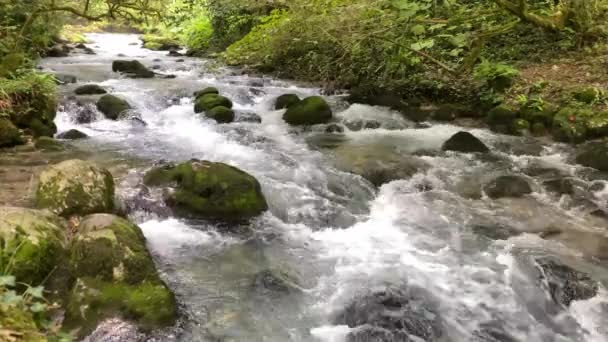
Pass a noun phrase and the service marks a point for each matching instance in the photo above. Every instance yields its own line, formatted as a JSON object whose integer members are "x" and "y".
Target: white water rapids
{"x": 331, "y": 229}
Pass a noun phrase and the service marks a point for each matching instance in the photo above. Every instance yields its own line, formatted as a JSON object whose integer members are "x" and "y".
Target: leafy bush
{"x": 197, "y": 32}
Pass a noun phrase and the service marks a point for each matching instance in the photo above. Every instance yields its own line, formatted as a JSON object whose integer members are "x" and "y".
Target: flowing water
{"x": 337, "y": 236}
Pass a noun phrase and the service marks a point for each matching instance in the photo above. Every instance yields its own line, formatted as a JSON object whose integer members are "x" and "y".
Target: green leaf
{"x": 38, "y": 307}
{"x": 36, "y": 292}
{"x": 418, "y": 30}
{"x": 423, "y": 44}
{"x": 10, "y": 298}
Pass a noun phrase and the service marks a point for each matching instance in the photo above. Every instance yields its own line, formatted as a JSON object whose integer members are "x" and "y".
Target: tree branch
{"x": 555, "y": 22}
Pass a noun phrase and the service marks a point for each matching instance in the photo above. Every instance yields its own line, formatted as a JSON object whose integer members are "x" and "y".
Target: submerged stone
{"x": 210, "y": 190}
{"x": 112, "y": 106}
{"x": 72, "y": 134}
{"x": 90, "y": 89}
{"x": 310, "y": 111}
{"x": 75, "y": 187}
{"x": 464, "y": 142}
{"x": 566, "y": 284}
{"x": 507, "y": 186}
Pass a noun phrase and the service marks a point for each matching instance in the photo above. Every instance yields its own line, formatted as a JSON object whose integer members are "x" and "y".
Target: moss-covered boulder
{"x": 75, "y": 187}
{"x": 210, "y": 101}
{"x": 34, "y": 242}
{"x": 49, "y": 144}
{"x": 208, "y": 90}
{"x": 38, "y": 128}
{"x": 112, "y": 106}
{"x": 9, "y": 134}
{"x": 32, "y": 103}
{"x": 220, "y": 114}
{"x": 72, "y": 134}
{"x": 507, "y": 186}
{"x": 286, "y": 101}
{"x": 310, "y": 111}
{"x": 210, "y": 190}
{"x": 115, "y": 277}
{"x": 90, "y": 89}
{"x": 594, "y": 155}
{"x": 569, "y": 124}
{"x": 538, "y": 115}
{"x": 465, "y": 142}
{"x": 520, "y": 127}
{"x": 159, "y": 43}
{"x": 501, "y": 118}
{"x": 588, "y": 94}
{"x": 133, "y": 69}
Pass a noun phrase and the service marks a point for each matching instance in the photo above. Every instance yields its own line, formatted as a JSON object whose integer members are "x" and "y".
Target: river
{"x": 468, "y": 264}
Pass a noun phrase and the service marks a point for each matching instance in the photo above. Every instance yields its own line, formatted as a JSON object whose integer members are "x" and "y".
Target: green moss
{"x": 160, "y": 43}
{"x": 501, "y": 115}
{"x": 9, "y": 134}
{"x": 597, "y": 125}
{"x": 538, "y": 129}
{"x": 594, "y": 155}
{"x": 112, "y": 107}
{"x": 535, "y": 115}
{"x": 588, "y": 95}
{"x": 132, "y": 68}
{"x": 570, "y": 124}
{"x": 159, "y": 176}
{"x": 286, "y": 101}
{"x": 40, "y": 129}
{"x": 150, "y": 304}
{"x": 520, "y": 127}
{"x": 220, "y": 114}
{"x": 310, "y": 111}
{"x": 14, "y": 319}
{"x": 210, "y": 101}
{"x": 49, "y": 144}
{"x": 208, "y": 90}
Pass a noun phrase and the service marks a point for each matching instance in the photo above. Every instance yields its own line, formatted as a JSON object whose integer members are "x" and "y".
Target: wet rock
{"x": 174, "y": 53}
{"x": 208, "y": 90}
{"x": 495, "y": 232}
{"x": 88, "y": 51}
{"x": 564, "y": 186}
{"x": 501, "y": 118}
{"x": 64, "y": 79}
{"x": 594, "y": 155}
{"x": 166, "y": 76}
{"x": 465, "y": 142}
{"x": 72, "y": 134}
{"x": 286, "y": 101}
{"x": 310, "y": 111}
{"x": 58, "y": 51}
{"x": 210, "y": 190}
{"x": 133, "y": 69}
{"x": 507, "y": 186}
{"x": 156, "y": 67}
{"x": 564, "y": 283}
{"x": 220, "y": 114}
{"x": 275, "y": 281}
{"x": 49, "y": 144}
{"x": 90, "y": 89}
{"x": 390, "y": 315}
{"x": 112, "y": 106}
{"x": 248, "y": 117}
{"x": 158, "y": 43}
{"x": 334, "y": 128}
{"x": 34, "y": 242}
{"x": 75, "y": 187}
{"x": 9, "y": 134}
{"x": 115, "y": 330}
{"x": 210, "y": 101}
{"x": 377, "y": 165}
{"x": 84, "y": 113}
{"x": 592, "y": 244}
{"x": 115, "y": 274}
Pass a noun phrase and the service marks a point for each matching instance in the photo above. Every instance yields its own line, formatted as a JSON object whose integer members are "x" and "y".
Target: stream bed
{"x": 425, "y": 258}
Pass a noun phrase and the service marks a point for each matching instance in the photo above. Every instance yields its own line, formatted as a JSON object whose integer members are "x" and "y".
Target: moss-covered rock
{"x": 16, "y": 319}
{"x": 507, "y": 186}
{"x": 133, "y": 69}
{"x": 159, "y": 43}
{"x": 72, "y": 134}
{"x": 210, "y": 190}
{"x": 49, "y": 144}
{"x": 588, "y": 95}
{"x": 594, "y": 155}
{"x": 220, "y": 114}
{"x": 33, "y": 240}
{"x": 538, "y": 129}
{"x": 501, "y": 117}
{"x": 112, "y": 107}
{"x": 90, "y": 89}
{"x": 208, "y": 90}
{"x": 597, "y": 125}
{"x": 115, "y": 277}
{"x": 39, "y": 128}
{"x": 520, "y": 127}
{"x": 310, "y": 111}
{"x": 75, "y": 187}
{"x": 286, "y": 100}
{"x": 536, "y": 115}
{"x": 569, "y": 124}
{"x": 9, "y": 134}
{"x": 210, "y": 101}
{"x": 465, "y": 142}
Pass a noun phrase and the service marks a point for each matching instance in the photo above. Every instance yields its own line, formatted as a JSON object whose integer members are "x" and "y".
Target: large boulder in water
{"x": 210, "y": 190}
{"x": 220, "y": 114}
{"x": 286, "y": 101}
{"x": 75, "y": 187}
{"x": 72, "y": 134}
{"x": 594, "y": 155}
{"x": 310, "y": 111}
{"x": 566, "y": 284}
{"x": 33, "y": 241}
{"x": 115, "y": 276}
{"x": 464, "y": 142}
{"x": 112, "y": 106}
{"x": 210, "y": 101}
{"x": 90, "y": 89}
{"x": 507, "y": 186}
{"x": 132, "y": 69}
{"x": 9, "y": 134}
{"x": 390, "y": 315}
{"x": 205, "y": 91}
